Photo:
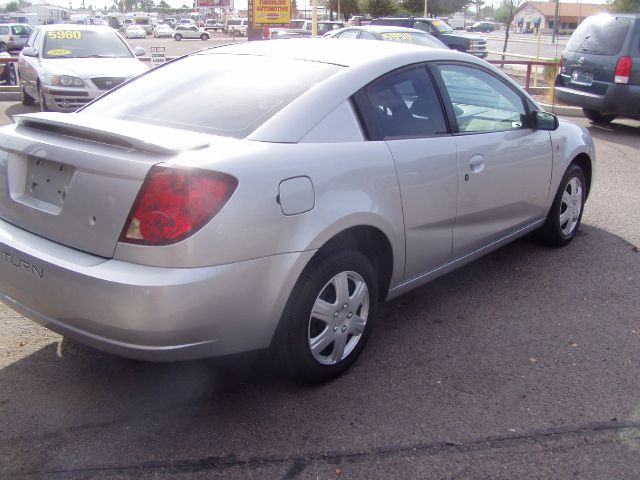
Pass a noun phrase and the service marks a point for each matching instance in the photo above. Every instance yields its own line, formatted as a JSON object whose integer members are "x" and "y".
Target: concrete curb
{"x": 563, "y": 110}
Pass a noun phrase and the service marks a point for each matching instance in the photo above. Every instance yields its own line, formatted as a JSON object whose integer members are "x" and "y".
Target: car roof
{"x": 14, "y": 24}
{"x": 74, "y": 26}
{"x": 385, "y": 29}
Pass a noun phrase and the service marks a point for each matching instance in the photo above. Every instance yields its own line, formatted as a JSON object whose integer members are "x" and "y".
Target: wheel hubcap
{"x": 571, "y": 206}
{"x": 338, "y": 318}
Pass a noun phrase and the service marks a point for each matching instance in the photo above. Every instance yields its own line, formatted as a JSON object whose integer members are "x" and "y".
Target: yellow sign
{"x": 271, "y": 12}
{"x": 65, "y": 35}
{"x": 53, "y": 53}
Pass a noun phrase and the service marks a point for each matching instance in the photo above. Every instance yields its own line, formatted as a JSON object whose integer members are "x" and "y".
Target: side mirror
{"x": 29, "y": 52}
{"x": 545, "y": 121}
{"x": 139, "y": 51}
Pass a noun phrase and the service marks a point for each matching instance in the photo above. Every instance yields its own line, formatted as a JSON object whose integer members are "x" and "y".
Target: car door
{"x": 406, "y": 112}
{"x": 504, "y": 164}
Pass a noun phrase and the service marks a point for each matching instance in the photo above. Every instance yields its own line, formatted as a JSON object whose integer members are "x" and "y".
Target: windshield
{"x": 296, "y": 23}
{"x": 76, "y": 43}
{"x": 441, "y": 26}
{"x": 600, "y": 35}
{"x": 422, "y": 39}
{"x": 213, "y": 93}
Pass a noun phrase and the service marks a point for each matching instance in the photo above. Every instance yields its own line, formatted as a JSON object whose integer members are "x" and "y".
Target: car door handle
{"x": 476, "y": 163}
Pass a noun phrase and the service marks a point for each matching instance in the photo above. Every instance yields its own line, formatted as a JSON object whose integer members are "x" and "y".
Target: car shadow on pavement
{"x": 625, "y": 133}
{"x": 514, "y": 340}
{"x": 19, "y": 109}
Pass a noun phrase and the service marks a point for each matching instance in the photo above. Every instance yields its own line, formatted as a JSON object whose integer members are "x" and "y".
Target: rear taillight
{"x": 174, "y": 203}
{"x": 623, "y": 70}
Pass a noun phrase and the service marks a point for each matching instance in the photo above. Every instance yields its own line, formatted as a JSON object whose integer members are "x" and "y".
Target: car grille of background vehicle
{"x": 107, "y": 83}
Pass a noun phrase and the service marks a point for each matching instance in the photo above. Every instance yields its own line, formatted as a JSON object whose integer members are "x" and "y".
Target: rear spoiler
{"x": 121, "y": 133}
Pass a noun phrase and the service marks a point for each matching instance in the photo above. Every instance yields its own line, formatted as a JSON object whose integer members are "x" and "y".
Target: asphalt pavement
{"x": 522, "y": 364}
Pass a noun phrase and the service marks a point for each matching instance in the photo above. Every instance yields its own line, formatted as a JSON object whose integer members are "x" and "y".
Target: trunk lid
{"x": 72, "y": 178}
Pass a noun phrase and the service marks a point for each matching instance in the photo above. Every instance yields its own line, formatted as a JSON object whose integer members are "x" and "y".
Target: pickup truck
{"x": 302, "y": 28}
{"x": 453, "y": 39}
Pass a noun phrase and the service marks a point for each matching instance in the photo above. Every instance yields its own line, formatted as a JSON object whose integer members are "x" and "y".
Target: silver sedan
{"x": 204, "y": 210}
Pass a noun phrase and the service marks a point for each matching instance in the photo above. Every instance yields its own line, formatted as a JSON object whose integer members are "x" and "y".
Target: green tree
{"x": 435, "y": 7}
{"x": 626, "y": 6}
{"x": 347, "y": 7}
{"x": 511, "y": 7}
{"x": 378, "y": 8}
{"x": 11, "y": 7}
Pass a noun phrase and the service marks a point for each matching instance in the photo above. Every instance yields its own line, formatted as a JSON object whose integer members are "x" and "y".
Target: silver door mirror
{"x": 29, "y": 52}
{"x": 139, "y": 51}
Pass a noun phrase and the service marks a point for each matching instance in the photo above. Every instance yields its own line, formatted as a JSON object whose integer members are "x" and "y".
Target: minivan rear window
{"x": 600, "y": 35}
{"x": 219, "y": 94}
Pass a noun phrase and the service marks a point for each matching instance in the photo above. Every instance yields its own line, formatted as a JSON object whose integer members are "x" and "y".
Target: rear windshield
{"x": 76, "y": 43}
{"x": 600, "y": 35}
{"x": 219, "y": 94}
{"x": 21, "y": 30}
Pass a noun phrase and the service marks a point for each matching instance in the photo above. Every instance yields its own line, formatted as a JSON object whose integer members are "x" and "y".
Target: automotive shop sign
{"x": 271, "y": 13}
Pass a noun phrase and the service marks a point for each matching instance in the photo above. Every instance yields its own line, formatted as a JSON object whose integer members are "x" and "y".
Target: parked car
{"x": 162, "y": 31}
{"x": 64, "y": 67}
{"x": 390, "y": 34}
{"x": 135, "y": 31}
{"x": 303, "y": 28}
{"x": 237, "y": 26}
{"x": 600, "y": 68}
{"x": 212, "y": 25}
{"x": 13, "y": 36}
{"x": 485, "y": 27}
{"x": 248, "y": 211}
{"x": 455, "y": 40}
{"x": 7, "y": 70}
{"x": 190, "y": 32}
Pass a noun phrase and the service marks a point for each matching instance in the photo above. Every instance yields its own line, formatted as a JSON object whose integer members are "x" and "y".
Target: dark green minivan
{"x": 600, "y": 68}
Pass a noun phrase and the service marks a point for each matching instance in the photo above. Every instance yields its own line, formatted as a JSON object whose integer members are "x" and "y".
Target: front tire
{"x": 597, "y": 117}
{"x": 204, "y": 37}
{"x": 565, "y": 215}
{"x": 26, "y": 98}
{"x": 178, "y": 37}
{"x": 328, "y": 318}
{"x": 43, "y": 101}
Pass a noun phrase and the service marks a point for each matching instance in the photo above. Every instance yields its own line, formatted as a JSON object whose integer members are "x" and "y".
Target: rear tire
{"x": 9, "y": 76}
{"x": 328, "y": 318}
{"x": 597, "y": 117}
{"x": 178, "y": 37}
{"x": 563, "y": 219}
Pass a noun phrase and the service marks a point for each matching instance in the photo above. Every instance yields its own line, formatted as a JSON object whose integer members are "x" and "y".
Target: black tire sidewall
{"x": 294, "y": 343}
{"x": 551, "y": 231}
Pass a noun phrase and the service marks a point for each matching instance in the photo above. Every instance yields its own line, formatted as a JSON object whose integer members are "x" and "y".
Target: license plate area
{"x": 46, "y": 184}
{"x": 580, "y": 77}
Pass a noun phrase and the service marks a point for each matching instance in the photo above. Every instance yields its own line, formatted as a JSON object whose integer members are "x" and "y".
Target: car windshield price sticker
{"x": 66, "y": 35}
{"x": 158, "y": 56}
{"x": 54, "y": 53}
{"x": 399, "y": 37}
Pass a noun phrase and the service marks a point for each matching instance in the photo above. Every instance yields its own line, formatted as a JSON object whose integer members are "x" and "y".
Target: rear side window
{"x": 600, "y": 35}
{"x": 406, "y": 105}
{"x": 213, "y": 93}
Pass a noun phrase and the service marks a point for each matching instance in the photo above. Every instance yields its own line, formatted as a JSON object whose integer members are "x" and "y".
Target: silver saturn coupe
{"x": 271, "y": 194}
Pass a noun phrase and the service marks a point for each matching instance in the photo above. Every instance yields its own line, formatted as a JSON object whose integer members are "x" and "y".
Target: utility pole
{"x": 426, "y": 13}
{"x": 554, "y": 37}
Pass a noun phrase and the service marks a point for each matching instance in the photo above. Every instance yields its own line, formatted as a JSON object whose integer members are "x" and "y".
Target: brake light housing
{"x": 174, "y": 203}
{"x": 623, "y": 70}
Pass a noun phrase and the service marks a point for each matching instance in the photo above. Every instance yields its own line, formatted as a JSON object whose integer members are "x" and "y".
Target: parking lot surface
{"x": 522, "y": 364}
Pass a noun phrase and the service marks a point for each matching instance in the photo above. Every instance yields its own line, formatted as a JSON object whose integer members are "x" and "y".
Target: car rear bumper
{"x": 148, "y": 313}
{"x": 619, "y": 99}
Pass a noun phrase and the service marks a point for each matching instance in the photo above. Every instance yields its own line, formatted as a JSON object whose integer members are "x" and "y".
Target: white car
{"x": 162, "y": 31}
{"x": 190, "y": 32}
{"x": 135, "y": 31}
{"x": 64, "y": 67}
{"x": 238, "y": 26}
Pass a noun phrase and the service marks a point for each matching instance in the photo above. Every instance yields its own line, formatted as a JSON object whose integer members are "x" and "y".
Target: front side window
{"x": 480, "y": 101}
{"x": 76, "y": 43}
{"x": 406, "y": 105}
{"x": 21, "y": 30}
{"x": 214, "y": 93}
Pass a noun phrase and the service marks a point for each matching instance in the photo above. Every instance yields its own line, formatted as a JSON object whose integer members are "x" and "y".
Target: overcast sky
{"x": 100, "y": 4}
